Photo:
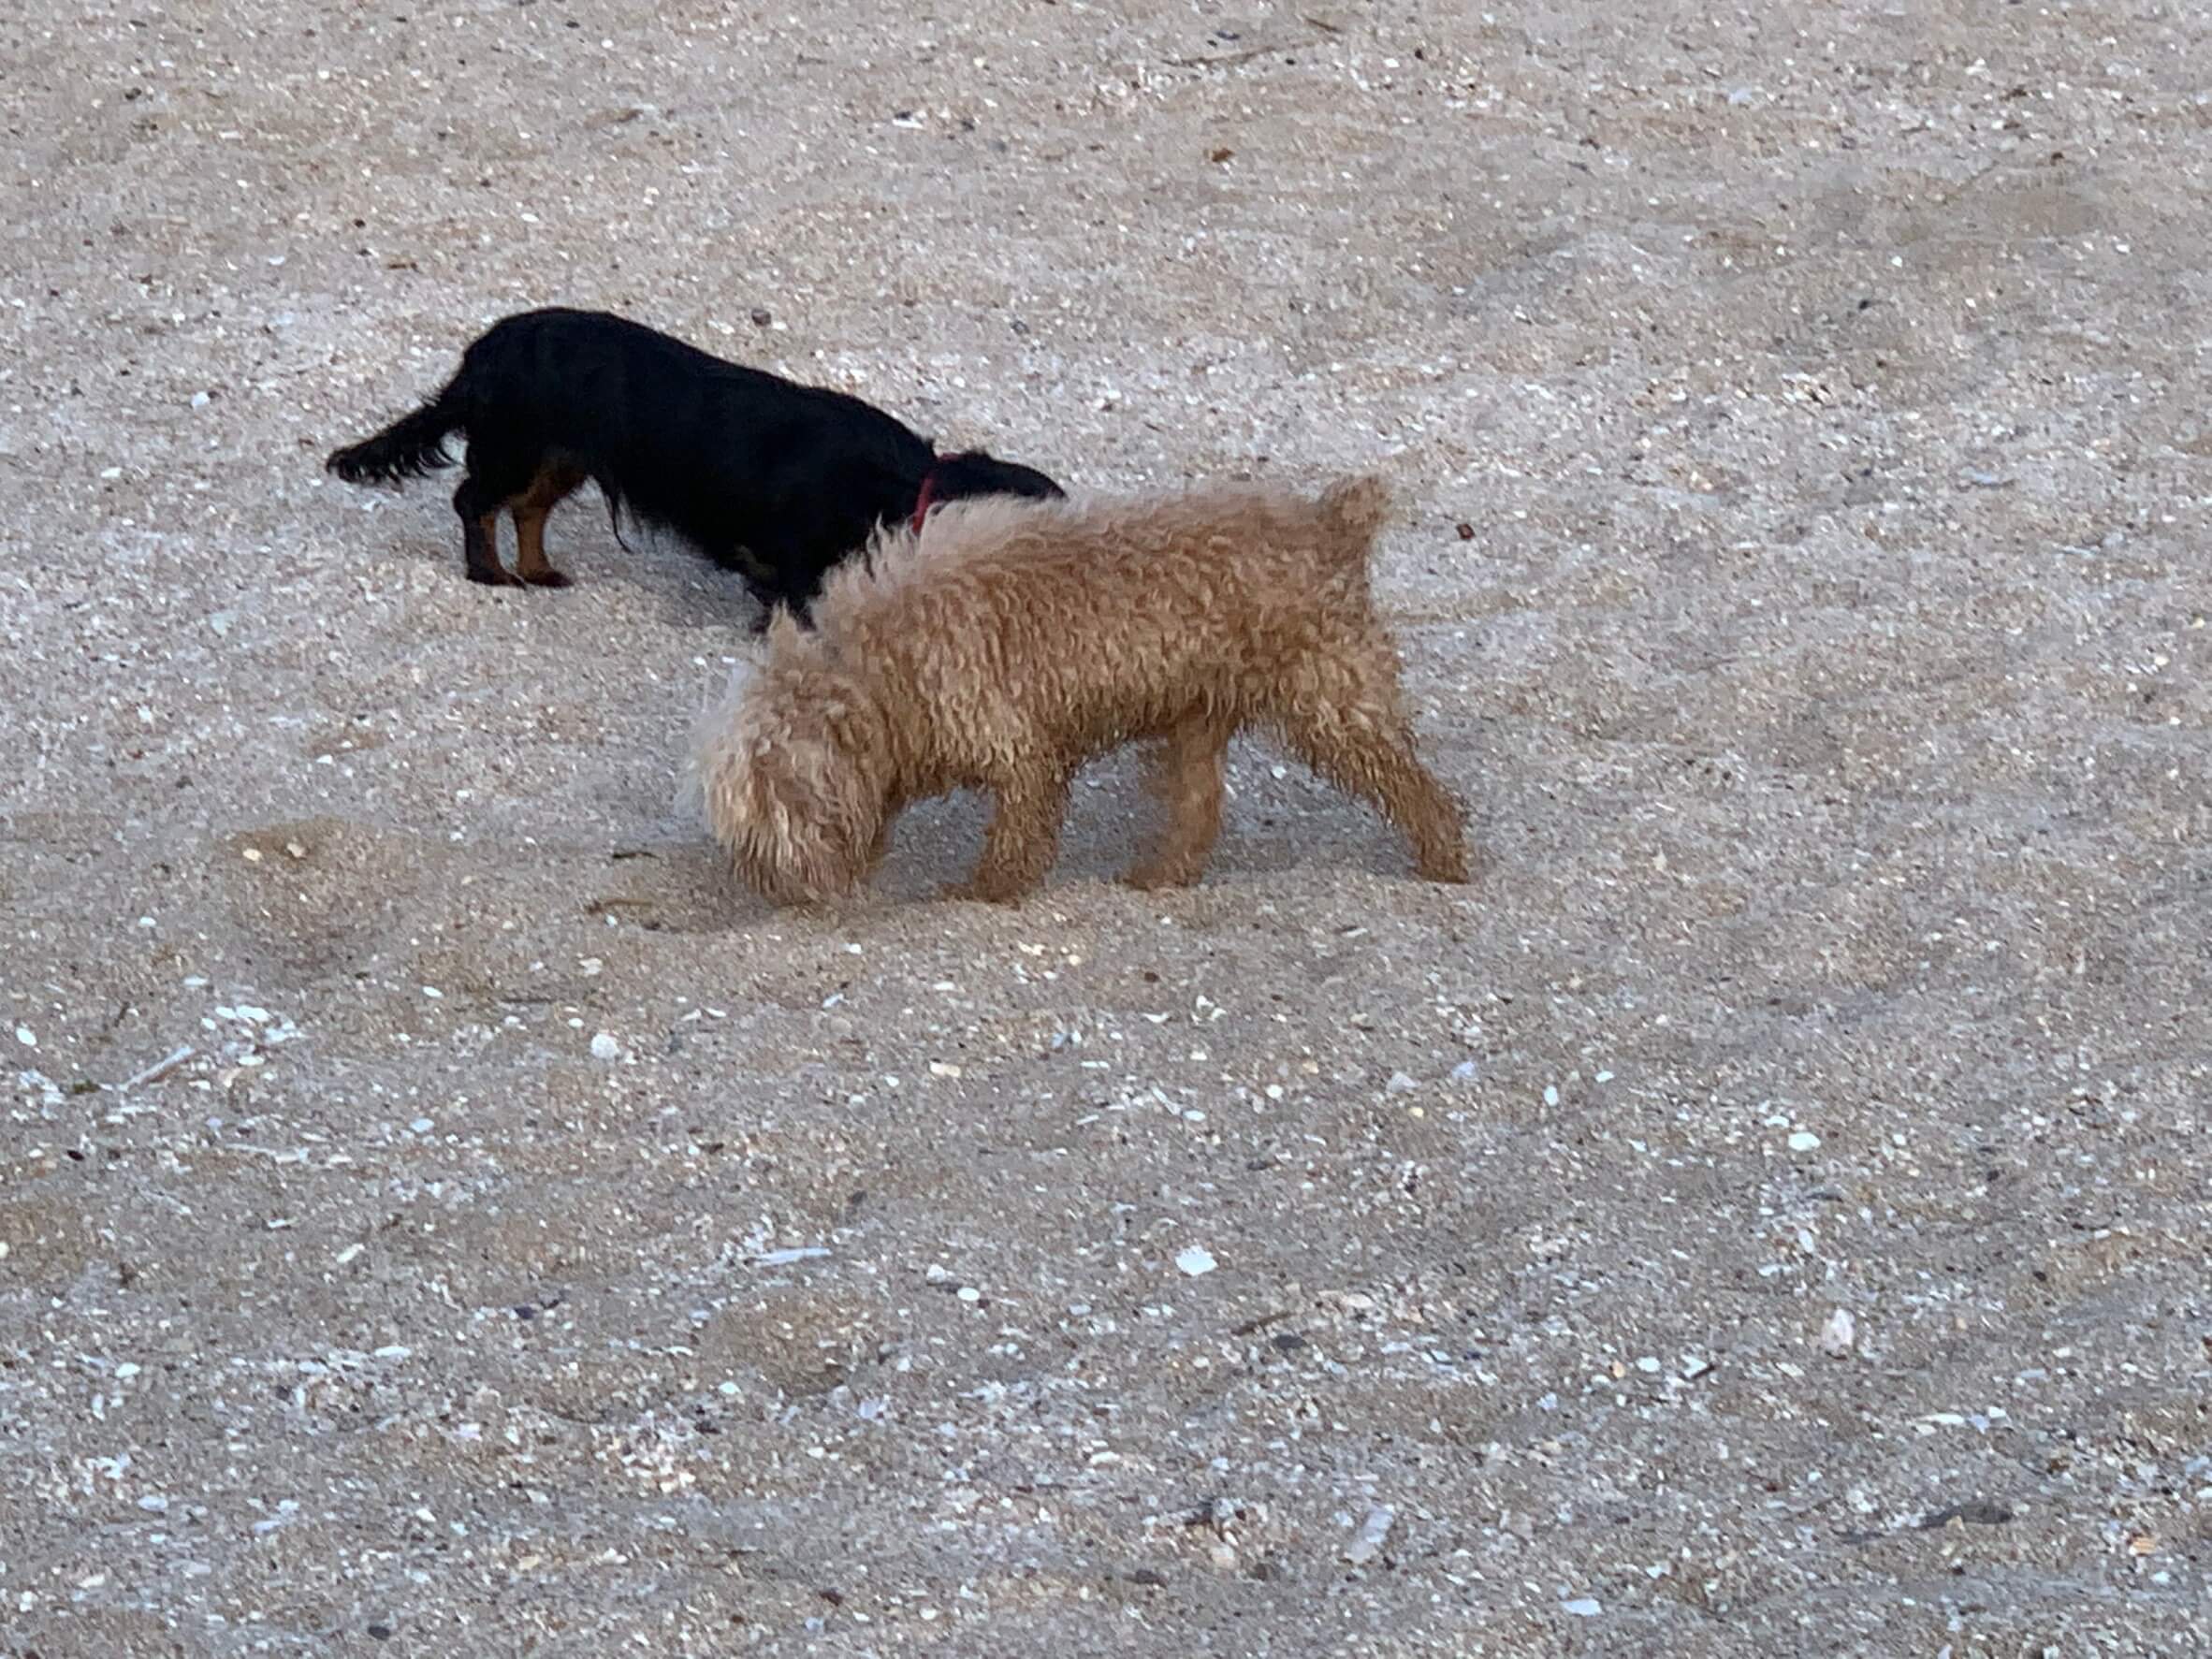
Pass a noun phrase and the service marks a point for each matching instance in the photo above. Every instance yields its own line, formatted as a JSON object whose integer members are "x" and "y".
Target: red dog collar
{"x": 925, "y": 501}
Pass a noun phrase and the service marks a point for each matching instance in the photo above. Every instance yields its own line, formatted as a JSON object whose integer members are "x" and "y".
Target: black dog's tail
{"x": 411, "y": 447}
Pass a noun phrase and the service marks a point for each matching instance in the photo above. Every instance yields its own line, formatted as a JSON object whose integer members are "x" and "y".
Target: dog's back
{"x": 1097, "y": 619}
{"x": 676, "y": 430}
{"x": 1215, "y": 553}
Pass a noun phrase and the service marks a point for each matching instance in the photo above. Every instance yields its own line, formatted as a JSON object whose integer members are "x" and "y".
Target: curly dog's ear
{"x": 783, "y": 785}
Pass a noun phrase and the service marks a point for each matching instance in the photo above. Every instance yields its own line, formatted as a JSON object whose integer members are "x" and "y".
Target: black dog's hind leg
{"x": 495, "y": 478}
{"x": 554, "y": 482}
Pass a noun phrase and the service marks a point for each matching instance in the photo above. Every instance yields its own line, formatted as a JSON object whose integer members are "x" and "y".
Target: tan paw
{"x": 1450, "y": 865}
{"x": 981, "y": 893}
{"x": 1151, "y": 878}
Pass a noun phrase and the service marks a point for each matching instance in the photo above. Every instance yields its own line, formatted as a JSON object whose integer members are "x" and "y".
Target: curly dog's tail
{"x": 411, "y": 447}
{"x": 1355, "y": 507}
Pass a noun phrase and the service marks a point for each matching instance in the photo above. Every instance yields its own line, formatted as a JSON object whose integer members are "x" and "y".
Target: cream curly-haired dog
{"x": 1006, "y": 644}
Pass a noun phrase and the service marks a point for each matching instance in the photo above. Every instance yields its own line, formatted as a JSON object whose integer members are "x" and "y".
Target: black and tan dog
{"x": 772, "y": 479}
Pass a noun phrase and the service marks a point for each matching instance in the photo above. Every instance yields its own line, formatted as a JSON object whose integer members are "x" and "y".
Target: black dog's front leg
{"x": 763, "y": 569}
{"x": 785, "y": 581}
{"x": 773, "y": 600}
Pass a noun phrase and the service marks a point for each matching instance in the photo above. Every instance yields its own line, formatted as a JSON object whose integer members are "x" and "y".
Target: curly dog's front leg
{"x": 1024, "y": 837}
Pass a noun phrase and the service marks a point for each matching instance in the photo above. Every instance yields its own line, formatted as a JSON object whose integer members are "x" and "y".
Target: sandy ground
{"x": 1767, "y": 1215}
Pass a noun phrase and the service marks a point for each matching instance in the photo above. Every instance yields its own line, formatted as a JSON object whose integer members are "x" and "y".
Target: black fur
{"x": 772, "y": 479}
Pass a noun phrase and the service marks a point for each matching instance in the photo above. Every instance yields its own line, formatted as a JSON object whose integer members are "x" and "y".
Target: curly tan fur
{"x": 1010, "y": 642}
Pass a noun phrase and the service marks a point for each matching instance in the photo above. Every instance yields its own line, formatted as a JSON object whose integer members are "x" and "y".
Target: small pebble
{"x": 1804, "y": 1141}
{"x": 605, "y": 1047}
{"x": 1400, "y": 1083}
{"x": 1582, "y": 1606}
{"x": 1368, "y": 1541}
{"x": 1838, "y": 1334}
{"x": 785, "y": 1258}
{"x": 1195, "y": 1260}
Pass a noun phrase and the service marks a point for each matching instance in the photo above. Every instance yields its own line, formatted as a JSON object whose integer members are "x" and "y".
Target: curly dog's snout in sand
{"x": 793, "y": 785}
{"x": 1006, "y": 643}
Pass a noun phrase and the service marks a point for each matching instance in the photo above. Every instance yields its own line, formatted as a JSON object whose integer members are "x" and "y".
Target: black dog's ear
{"x": 976, "y": 472}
